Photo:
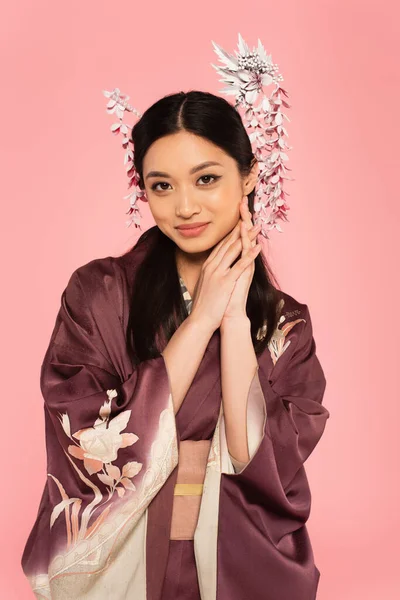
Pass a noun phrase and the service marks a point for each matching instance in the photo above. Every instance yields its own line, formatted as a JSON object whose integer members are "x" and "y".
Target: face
{"x": 183, "y": 190}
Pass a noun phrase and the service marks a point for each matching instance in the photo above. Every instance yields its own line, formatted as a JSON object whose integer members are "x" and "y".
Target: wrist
{"x": 202, "y": 326}
{"x": 236, "y": 322}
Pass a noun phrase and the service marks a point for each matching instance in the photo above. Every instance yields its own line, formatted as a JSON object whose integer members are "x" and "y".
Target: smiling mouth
{"x": 192, "y": 231}
{"x": 191, "y": 226}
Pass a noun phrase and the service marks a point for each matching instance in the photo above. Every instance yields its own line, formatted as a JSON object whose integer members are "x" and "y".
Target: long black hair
{"x": 157, "y": 307}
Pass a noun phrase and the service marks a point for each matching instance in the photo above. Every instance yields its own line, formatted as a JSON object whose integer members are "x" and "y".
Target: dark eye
{"x": 213, "y": 177}
{"x": 154, "y": 186}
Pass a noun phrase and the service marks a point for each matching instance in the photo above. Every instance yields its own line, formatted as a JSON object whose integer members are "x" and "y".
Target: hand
{"x": 236, "y": 307}
{"x": 217, "y": 278}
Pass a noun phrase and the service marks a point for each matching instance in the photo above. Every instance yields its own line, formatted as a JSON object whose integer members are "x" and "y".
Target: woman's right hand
{"x": 217, "y": 279}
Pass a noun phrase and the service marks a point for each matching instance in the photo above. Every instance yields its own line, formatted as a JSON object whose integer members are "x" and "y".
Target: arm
{"x": 110, "y": 431}
{"x": 183, "y": 355}
{"x": 285, "y": 417}
{"x": 238, "y": 365}
{"x": 285, "y": 420}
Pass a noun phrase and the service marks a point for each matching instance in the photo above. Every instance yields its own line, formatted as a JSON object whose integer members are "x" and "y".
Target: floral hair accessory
{"x": 246, "y": 75}
{"x": 118, "y": 104}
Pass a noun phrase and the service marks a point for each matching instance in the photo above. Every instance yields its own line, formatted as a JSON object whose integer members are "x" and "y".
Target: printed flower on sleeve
{"x": 98, "y": 447}
{"x": 278, "y": 342}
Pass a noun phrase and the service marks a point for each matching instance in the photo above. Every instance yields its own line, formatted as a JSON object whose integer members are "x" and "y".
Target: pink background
{"x": 62, "y": 188}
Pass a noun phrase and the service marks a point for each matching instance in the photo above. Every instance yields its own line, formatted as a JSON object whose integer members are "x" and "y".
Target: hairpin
{"x": 247, "y": 75}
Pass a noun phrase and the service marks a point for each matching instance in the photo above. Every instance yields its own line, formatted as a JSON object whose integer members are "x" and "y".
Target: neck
{"x": 189, "y": 266}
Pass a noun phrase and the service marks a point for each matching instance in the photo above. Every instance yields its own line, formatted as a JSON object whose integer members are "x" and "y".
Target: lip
{"x": 192, "y": 225}
{"x": 192, "y": 230}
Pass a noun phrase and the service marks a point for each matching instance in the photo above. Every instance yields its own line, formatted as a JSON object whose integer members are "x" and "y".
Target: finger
{"x": 229, "y": 248}
{"x": 236, "y": 232}
{"x": 249, "y": 217}
{"x": 233, "y": 252}
{"x": 245, "y": 211}
{"x": 253, "y": 233}
{"x": 232, "y": 235}
{"x": 246, "y": 242}
{"x": 244, "y": 262}
{"x": 226, "y": 244}
{"x": 237, "y": 245}
{"x": 246, "y": 215}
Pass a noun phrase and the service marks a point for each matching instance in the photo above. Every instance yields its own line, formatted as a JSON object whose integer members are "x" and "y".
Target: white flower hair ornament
{"x": 246, "y": 75}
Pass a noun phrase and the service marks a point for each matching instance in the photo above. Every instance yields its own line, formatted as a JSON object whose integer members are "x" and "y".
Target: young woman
{"x": 182, "y": 393}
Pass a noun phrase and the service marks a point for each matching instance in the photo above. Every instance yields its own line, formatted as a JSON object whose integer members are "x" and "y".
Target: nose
{"x": 187, "y": 205}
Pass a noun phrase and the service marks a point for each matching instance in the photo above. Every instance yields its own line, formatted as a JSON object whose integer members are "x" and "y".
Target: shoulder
{"x": 292, "y": 309}
{"x": 99, "y": 272}
{"x": 102, "y": 285}
{"x": 93, "y": 288}
{"x": 92, "y": 277}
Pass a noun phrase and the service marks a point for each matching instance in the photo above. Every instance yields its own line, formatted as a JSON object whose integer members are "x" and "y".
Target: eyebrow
{"x": 203, "y": 165}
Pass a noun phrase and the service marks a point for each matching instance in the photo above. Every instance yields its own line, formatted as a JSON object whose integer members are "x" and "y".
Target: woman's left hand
{"x": 236, "y": 307}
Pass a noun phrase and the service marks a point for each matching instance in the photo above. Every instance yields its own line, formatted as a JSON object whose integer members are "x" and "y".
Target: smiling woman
{"x": 177, "y": 142}
{"x": 181, "y": 402}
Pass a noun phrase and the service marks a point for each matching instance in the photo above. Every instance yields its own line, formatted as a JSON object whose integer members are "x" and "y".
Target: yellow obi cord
{"x": 188, "y": 489}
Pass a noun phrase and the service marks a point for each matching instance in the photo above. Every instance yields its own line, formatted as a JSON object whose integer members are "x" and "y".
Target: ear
{"x": 249, "y": 183}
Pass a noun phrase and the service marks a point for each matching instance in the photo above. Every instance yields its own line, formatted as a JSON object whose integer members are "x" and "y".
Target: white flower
{"x": 99, "y": 445}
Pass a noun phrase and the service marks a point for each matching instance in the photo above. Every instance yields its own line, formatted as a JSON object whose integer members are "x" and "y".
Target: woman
{"x": 182, "y": 393}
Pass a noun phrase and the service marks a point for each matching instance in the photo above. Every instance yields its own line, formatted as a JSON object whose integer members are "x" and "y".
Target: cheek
{"x": 225, "y": 207}
{"x": 159, "y": 210}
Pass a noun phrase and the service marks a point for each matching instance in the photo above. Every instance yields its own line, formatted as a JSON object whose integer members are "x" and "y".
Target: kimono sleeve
{"x": 285, "y": 415}
{"x": 264, "y": 506}
{"x": 110, "y": 433}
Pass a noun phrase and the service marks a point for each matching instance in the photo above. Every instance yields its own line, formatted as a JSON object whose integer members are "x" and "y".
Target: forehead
{"x": 179, "y": 152}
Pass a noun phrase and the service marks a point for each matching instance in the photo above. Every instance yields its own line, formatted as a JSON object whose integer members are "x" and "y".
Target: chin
{"x": 195, "y": 245}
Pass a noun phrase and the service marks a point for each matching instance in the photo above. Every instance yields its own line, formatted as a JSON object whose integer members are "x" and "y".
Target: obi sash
{"x": 188, "y": 490}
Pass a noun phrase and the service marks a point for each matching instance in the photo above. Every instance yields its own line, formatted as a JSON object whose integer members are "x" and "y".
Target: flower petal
{"x": 131, "y": 469}
{"x": 92, "y": 465}
{"x": 128, "y": 439}
{"x": 119, "y": 422}
{"x": 127, "y": 483}
{"x": 113, "y": 472}
{"x": 77, "y": 452}
{"x": 106, "y": 479}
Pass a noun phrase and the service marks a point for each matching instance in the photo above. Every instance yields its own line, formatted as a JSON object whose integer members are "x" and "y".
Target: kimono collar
{"x": 186, "y": 296}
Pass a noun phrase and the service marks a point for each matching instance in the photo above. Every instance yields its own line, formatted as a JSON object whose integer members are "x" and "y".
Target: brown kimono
{"x": 144, "y": 504}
